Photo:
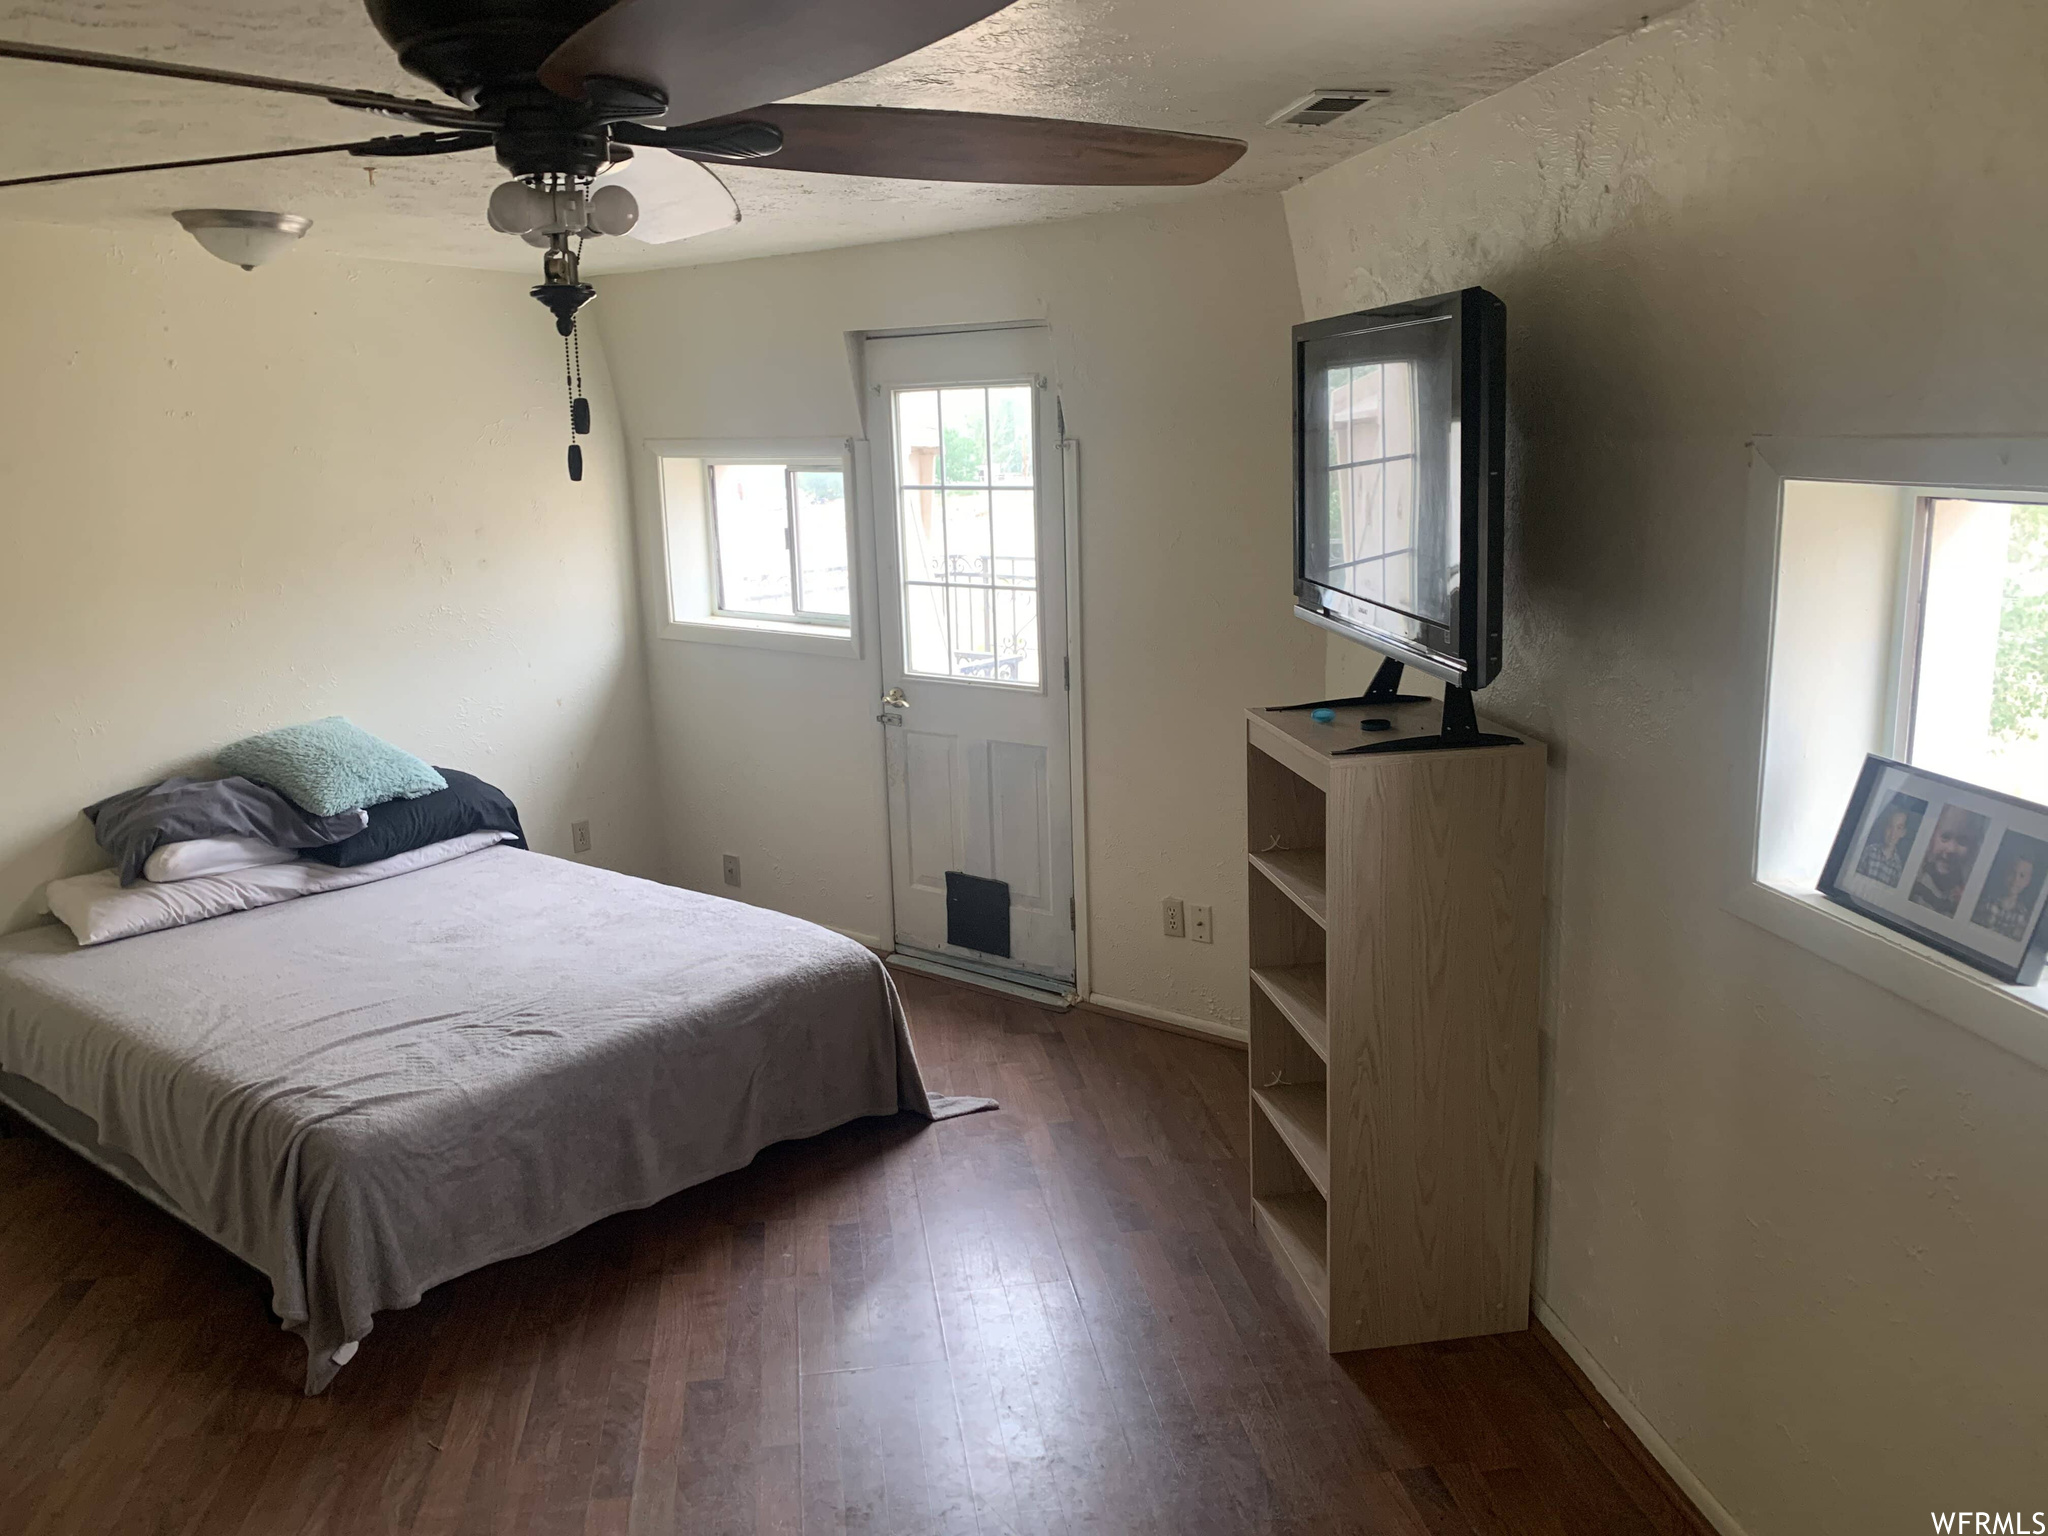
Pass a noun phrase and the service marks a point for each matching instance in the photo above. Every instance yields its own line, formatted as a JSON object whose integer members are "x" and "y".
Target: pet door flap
{"x": 978, "y": 913}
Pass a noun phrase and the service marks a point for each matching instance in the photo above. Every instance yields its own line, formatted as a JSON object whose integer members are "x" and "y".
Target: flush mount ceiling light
{"x": 247, "y": 237}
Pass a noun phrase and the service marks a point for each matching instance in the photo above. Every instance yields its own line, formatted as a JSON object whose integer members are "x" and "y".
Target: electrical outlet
{"x": 1176, "y": 925}
{"x": 1201, "y": 925}
{"x": 732, "y": 869}
{"x": 579, "y": 836}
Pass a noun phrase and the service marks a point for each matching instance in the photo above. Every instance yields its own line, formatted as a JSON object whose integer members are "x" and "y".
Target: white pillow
{"x": 96, "y": 908}
{"x": 212, "y": 856}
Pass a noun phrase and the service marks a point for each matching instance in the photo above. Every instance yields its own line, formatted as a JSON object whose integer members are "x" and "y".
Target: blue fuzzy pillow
{"x": 330, "y": 766}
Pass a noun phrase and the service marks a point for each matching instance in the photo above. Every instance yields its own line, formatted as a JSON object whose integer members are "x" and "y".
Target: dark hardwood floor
{"x": 1052, "y": 1319}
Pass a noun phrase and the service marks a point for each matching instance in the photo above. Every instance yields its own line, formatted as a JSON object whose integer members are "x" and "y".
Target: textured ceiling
{"x": 1206, "y": 66}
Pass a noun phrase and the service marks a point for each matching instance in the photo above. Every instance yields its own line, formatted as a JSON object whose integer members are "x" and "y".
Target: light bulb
{"x": 517, "y": 209}
{"x": 613, "y": 211}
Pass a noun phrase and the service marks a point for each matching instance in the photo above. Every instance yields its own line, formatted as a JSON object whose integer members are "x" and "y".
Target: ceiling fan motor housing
{"x": 466, "y": 47}
{"x": 487, "y": 53}
{"x": 550, "y": 137}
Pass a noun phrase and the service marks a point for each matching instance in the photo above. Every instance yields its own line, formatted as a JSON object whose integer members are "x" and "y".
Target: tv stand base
{"x": 1460, "y": 723}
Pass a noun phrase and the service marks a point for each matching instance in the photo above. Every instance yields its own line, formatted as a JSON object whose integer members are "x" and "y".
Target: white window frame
{"x": 2012, "y": 469}
{"x": 683, "y": 584}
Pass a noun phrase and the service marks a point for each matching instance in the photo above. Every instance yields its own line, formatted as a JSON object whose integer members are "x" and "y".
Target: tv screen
{"x": 1400, "y": 434}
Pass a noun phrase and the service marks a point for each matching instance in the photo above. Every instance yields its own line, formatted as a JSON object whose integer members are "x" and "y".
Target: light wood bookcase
{"x": 1395, "y": 914}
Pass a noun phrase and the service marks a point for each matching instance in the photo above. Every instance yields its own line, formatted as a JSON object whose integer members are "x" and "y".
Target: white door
{"x": 971, "y": 537}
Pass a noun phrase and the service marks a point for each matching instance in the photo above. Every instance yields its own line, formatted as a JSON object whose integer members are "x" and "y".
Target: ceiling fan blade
{"x": 678, "y": 198}
{"x": 431, "y": 112}
{"x": 715, "y": 57}
{"x": 405, "y": 145}
{"x": 918, "y": 145}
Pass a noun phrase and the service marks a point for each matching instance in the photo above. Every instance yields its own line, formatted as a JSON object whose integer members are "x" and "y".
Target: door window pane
{"x": 966, "y": 464}
{"x": 967, "y": 536}
{"x": 917, "y": 437}
{"x": 963, "y": 419}
{"x": 1014, "y": 523}
{"x": 1016, "y": 636}
{"x": 923, "y": 534}
{"x": 925, "y": 629}
{"x": 1009, "y": 434}
{"x": 973, "y": 649}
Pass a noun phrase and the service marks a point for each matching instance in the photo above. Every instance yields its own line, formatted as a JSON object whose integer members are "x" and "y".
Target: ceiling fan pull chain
{"x": 579, "y": 407}
{"x": 569, "y": 373}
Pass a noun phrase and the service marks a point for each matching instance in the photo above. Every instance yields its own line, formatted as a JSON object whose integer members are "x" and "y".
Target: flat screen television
{"x": 1399, "y": 439}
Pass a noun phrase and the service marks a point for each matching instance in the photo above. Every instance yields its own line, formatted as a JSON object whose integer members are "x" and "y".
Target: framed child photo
{"x": 1964, "y": 870}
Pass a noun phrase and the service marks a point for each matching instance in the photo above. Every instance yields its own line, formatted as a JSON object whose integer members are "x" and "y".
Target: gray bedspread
{"x": 368, "y": 1092}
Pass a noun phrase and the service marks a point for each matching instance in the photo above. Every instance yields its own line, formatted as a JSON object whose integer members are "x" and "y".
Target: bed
{"x": 370, "y": 1091}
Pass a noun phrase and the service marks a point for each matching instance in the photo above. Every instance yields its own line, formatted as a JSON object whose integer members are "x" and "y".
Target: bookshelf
{"x": 1395, "y": 917}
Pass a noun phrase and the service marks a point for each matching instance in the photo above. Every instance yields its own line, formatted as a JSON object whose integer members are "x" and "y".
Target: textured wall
{"x": 238, "y": 500}
{"x": 1798, "y": 1220}
{"x": 1170, "y": 340}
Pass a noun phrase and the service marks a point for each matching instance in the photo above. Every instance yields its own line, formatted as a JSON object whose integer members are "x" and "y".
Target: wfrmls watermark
{"x": 1980, "y": 1522}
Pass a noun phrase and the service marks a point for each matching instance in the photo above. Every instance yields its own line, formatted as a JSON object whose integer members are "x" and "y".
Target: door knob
{"x": 895, "y": 700}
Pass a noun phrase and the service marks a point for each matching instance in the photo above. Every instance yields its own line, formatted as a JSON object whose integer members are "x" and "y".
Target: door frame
{"x": 1069, "y": 451}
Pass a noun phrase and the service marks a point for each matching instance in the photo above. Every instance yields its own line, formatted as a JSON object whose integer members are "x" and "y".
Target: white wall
{"x": 1799, "y": 1221}
{"x": 234, "y": 501}
{"x": 1170, "y": 330}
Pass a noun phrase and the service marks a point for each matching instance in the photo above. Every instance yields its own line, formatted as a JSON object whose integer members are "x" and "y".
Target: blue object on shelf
{"x": 1324, "y": 716}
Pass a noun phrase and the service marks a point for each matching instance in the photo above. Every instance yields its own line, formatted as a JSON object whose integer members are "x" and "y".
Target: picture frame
{"x": 1952, "y": 865}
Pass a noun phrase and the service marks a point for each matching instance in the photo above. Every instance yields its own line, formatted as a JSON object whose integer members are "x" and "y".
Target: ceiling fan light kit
{"x": 565, "y": 92}
{"x": 244, "y": 237}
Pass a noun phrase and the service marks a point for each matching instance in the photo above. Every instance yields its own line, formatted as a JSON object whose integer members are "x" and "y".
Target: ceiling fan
{"x": 566, "y": 91}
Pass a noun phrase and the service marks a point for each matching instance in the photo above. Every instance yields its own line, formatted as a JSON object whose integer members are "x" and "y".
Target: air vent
{"x": 1326, "y": 106}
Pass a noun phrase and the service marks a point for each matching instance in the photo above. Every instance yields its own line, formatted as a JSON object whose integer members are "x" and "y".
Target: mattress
{"x": 367, "y": 1092}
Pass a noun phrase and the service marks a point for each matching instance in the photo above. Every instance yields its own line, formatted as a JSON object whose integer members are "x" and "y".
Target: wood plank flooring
{"x": 1049, "y": 1320}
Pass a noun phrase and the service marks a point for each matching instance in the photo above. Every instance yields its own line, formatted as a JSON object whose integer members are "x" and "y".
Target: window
{"x": 780, "y": 537}
{"x": 967, "y": 500}
{"x": 1974, "y": 666}
{"x": 1896, "y": 602}
{"x": 757, "y": 544}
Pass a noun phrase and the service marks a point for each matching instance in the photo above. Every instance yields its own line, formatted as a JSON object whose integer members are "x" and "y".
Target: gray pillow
{"x": 132, "y": 824}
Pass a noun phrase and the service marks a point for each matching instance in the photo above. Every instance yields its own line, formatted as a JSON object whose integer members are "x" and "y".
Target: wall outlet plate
{"x": 1201, "y": 925}
{"x": 732, "y": 869}
{"x": 1175, "y": 917}
{"x": 579, "y": 836}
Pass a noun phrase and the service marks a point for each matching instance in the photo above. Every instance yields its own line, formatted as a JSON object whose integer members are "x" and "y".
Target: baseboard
{"x": 980, "y": 981}
{"x": 1162, "y": 1018}
{"x": 1680, "y": 1484}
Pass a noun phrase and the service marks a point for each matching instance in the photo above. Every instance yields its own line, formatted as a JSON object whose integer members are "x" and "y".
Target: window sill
{"x": 2012, "y": 1018}
{"x": 764, "y": 634}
